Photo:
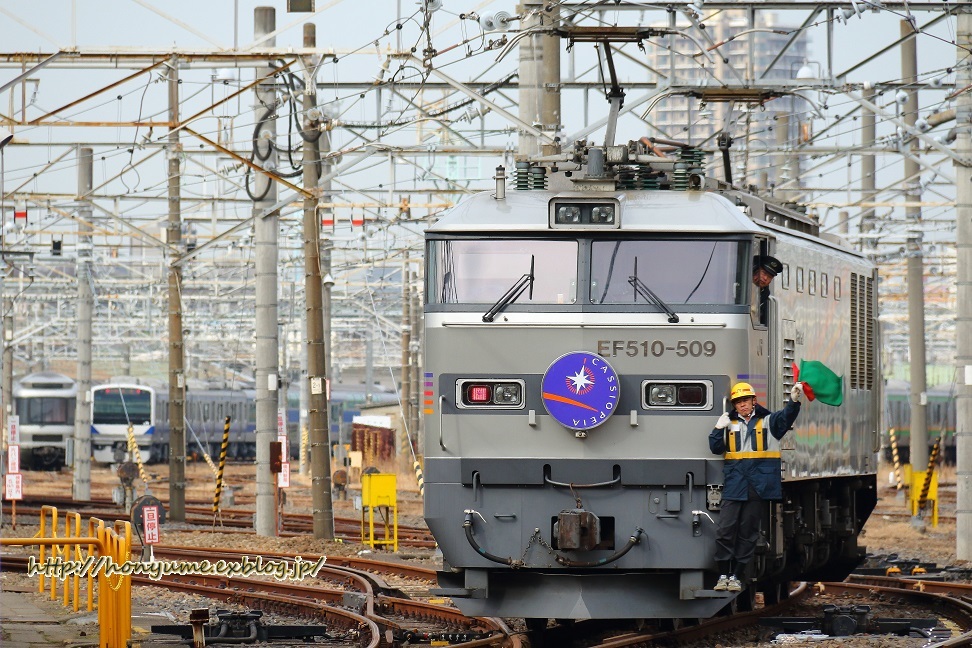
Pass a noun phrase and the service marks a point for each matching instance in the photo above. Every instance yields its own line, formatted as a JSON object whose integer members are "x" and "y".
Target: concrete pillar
{"x": 539, "y": 75}
{"x": 322, "y": 513}
{"x": 963, "y": 319}
{"x": 82, "y": 418}
{"x": 177, "y": 377}
{"x": 916, "y": 263}
{"x": 265, "y": 239}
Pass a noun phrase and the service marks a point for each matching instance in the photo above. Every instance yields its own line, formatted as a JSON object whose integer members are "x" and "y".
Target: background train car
{"x": 940, "y": 415}
{"x": 117, "y": 407}
{"x": 205, "y": 413}
{"x": 206, "y": 410}
{"x": 45, "y": 403}
{"x": 582, "y": 334}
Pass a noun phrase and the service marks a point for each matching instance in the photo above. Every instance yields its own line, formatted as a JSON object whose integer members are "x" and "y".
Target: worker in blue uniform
{"x": 748, "y": 438}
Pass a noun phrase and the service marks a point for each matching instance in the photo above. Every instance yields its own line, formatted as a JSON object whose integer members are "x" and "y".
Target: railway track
{"x": 292, "y": 524}
{"x": 365, "y": 602}
{"x": 361, "y": 608}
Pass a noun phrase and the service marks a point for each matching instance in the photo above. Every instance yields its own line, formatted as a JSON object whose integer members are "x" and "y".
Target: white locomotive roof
{"x": 645, "y": 211}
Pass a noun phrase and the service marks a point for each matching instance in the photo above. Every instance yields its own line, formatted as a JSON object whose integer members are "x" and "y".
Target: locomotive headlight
{"x": 506, "y": 394}
{"x": 602, "y": 214}
{"x": 575, "y": 210}
{"x": 568, "y": 214}
{"x": 661, "y": 395}
{"x": 677, "y": 394}
{"x": 489, "y": 393}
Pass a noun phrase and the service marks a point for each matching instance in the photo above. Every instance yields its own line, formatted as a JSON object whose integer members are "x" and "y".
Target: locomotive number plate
{"x": 655, "y": 348}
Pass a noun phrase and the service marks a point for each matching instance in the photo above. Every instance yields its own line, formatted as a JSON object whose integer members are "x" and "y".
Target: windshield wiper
{"x": 649, "y": 295}
{"x": 512, "y": 294}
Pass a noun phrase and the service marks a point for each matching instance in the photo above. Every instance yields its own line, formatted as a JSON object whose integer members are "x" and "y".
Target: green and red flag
{"x": 819, "y": 382}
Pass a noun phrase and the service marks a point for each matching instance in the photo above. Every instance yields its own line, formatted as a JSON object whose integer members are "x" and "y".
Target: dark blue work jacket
{"x": 752, "y": 457}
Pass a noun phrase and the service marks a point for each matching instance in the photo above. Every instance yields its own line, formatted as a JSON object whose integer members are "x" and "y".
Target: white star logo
{"x": 579, "y": 380}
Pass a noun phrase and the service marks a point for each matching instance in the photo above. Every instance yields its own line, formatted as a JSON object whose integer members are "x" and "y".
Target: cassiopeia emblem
{"x": 580, "y": 390}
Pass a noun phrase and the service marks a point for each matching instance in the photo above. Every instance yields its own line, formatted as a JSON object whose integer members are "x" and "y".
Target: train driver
{"x": 765, "y": 269}
{"x": 751, "y": 476}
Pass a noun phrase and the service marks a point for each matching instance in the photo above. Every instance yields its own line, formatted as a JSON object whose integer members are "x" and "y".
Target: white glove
{"x": 723, "y": 421}
{"x": 796, "y": 393}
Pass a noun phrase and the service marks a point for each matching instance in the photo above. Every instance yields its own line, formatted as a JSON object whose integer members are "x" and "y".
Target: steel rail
{"x": 958, "y": 609}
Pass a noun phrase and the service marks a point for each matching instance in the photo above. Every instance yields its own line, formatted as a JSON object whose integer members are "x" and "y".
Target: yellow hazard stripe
{"x": 765, "y": 454}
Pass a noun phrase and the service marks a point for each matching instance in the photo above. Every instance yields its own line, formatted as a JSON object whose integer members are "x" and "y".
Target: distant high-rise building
{"x": 740, "y": 60}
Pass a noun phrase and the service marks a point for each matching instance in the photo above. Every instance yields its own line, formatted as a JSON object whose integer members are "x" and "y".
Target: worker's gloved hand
{"x": 723, "y": 421}
{"x": 796, "y": 393}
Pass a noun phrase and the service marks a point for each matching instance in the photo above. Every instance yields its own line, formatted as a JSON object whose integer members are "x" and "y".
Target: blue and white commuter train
{"x": 117, "y": 407}
{"x": 46, "y": 403}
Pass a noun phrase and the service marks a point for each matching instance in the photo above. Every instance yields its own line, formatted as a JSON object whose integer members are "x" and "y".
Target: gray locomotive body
{"x": 607, "y": 510}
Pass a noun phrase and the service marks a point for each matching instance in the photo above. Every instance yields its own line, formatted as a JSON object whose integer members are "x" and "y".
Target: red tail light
{"x": 479, "y": 393}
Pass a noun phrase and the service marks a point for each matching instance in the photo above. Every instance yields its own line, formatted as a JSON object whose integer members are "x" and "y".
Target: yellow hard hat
{"x": 741, "y": 390}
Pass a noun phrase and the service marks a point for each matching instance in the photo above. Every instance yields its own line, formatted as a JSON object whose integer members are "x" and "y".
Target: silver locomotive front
{"x": 579, "y": 346}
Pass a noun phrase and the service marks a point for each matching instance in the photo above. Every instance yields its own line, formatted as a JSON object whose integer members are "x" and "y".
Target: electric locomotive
{"x": 582, "y": 334}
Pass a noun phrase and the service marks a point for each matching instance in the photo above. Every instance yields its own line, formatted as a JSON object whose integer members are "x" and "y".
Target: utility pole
{"x": 369, "y": 366}
{"x": 868, "y": 192}
{"x": 177, "y": 376}
{"x": 963, "y": 318}
{"x": 265, "y": 239}
{"x": 7, "y": 367}
{"x": 82, "y": 417}
{"x": 916, "y": 263}
{"x": 539, "y": 74}
{"x": 406, "y": 393}
{"x": 790, "y": 169}
{"x": 323, "y": 514}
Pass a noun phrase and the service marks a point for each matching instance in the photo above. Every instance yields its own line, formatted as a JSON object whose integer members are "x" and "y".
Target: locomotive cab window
{"x": 482, "y": 271}
{"x": 677, "y": 272}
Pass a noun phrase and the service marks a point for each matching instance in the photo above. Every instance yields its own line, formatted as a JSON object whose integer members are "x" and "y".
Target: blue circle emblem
{"x": 580, "y": 390}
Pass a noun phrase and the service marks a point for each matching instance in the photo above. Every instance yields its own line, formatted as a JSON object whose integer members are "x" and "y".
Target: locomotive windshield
{"x": 45, "y": 411}
{"x": 678, "y": 271}
{"x": 481, "y": 271}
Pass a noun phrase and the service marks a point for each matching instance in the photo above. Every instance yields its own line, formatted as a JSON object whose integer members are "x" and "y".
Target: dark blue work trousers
{"x": 737, "y": 533}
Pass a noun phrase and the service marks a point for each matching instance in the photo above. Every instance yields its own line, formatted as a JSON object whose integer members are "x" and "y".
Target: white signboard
{"x": 13, "y": 459}
{"x": 374, "y": 421}
{"x": 15, "y": 487}
{"x": 150, "y": 524}
{"x": 281, "y": 423}
{"x": 13, "y": 430}
{"x": 283, "y": 477}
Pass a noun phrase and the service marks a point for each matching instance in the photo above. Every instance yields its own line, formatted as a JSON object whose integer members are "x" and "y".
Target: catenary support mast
{"x": 963, "y": 323}
{"x": 265, "y": 238}
{"x": 82, "y": 418}
{"x": 916, "y": 279}
{"x": 539, "y": 74}
{"x": 323, "y": 517}
{"x": 177, "y": 381}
